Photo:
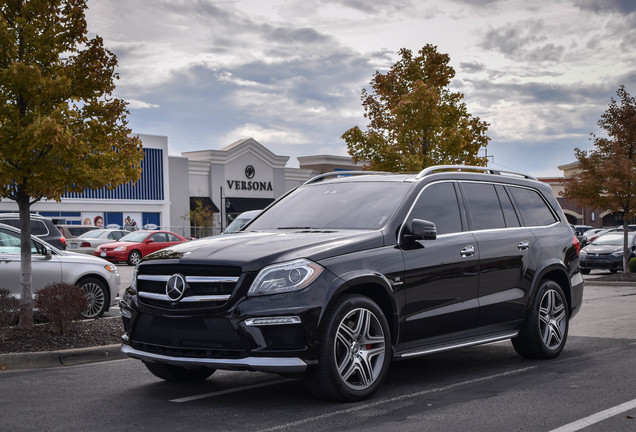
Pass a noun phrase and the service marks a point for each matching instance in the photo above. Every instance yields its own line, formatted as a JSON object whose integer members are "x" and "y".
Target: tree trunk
{"x": 626, "y": 250}
{"x": 26, "y": 294}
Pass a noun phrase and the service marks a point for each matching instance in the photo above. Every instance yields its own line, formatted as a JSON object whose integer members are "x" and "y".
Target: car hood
{"x": 254, "y": 250}
{"x": 78, "y": 258}
{"x": 602, "y": 249}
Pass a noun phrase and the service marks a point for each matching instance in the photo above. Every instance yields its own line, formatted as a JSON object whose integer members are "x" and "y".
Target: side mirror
{"x": 149, "y": 241}
{"x": 419, "y": 229}
{"x": 46, "y": 252}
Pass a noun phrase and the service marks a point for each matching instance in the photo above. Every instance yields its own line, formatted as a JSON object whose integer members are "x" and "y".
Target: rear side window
{"x": 438, "y": 204}
{"x": 37, "y": 227}
{"x": 483, "y": 206}
{"x": 532, "y": 207}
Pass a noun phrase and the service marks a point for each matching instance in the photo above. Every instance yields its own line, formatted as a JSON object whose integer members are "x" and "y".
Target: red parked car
{"x": 136, "y": 245}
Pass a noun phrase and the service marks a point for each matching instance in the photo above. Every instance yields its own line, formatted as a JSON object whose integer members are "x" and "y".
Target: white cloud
{"x": 289, "y": 72}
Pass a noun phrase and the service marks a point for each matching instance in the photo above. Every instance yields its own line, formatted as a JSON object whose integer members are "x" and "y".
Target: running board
{"x": 465, "y": 344}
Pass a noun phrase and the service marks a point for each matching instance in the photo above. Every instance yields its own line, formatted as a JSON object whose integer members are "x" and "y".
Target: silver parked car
{"x": 88, "y": 242}
{"x": 98, "y": 278}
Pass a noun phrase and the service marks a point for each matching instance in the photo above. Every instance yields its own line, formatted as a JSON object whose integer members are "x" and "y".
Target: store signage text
{"x": 249, "y": 185}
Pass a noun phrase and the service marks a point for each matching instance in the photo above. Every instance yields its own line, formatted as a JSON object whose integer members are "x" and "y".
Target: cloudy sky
{"x": 289, "y": 73}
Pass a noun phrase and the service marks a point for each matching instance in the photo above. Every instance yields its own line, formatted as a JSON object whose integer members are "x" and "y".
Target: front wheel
{"x": 545, "y": 331}
{"x": 355, "y": 351}
{"x": 177, "y": 373}
{"x": 97, "y": 296}
{"x": 134, "y": 257}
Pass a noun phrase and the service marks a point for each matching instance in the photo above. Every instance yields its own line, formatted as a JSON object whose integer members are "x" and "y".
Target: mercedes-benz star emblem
{"x": 175, "y": 287}
{"x": 250, "y": 172}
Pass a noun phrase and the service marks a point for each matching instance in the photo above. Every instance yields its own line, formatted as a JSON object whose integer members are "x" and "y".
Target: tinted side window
{"x": 508, "y": 210}
{"x": 532, "y": 208}
{"x": 38, "y": 228}
{"x": 483, "y": 206}
{"x": 438, "y": 204}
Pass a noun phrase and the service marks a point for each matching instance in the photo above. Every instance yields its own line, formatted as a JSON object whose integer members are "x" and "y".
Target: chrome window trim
{"x": 495, "y": 183}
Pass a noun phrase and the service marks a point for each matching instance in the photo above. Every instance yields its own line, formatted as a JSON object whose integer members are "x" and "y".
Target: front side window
{"x": 438, "y": 204}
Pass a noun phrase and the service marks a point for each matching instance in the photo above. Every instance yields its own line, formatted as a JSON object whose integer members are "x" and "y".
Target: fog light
{"x": 272, "y": 321}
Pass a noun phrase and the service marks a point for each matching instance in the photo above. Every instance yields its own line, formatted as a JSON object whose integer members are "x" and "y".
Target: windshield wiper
{"x": 288, "y": 228}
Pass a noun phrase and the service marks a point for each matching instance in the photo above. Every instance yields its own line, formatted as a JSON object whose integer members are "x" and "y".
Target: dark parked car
{"x": 41, "y": 227}
{"x": 606, "y": 252}
{"x": 342, "y": 276}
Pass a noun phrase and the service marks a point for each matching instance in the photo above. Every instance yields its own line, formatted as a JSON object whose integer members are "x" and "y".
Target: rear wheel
{"x": 97, "y": 296}
{"x": 178, "y": 373}
{"x": 545, "y": 331}
{"x": 355, "y": 353}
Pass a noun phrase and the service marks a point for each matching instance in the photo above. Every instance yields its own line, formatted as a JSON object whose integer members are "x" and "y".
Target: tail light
{"x": 63, "y": 240}
{"x": 85, "y": 244}
{"x": 577, "y": 245}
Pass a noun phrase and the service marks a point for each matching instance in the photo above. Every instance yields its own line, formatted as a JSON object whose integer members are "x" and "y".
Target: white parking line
{"x": 598, "y": 417}
{"x": 397, "y": 398}
{"x": 228, "y": 391}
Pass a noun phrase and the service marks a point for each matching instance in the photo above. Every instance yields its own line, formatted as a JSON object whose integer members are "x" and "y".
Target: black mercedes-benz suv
{"x": 347, "y": 273}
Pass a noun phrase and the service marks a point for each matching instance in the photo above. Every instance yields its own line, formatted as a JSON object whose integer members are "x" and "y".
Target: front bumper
{"x": 261, "y": 364}
{"x": 602, "y": 262}
{"x": 277, "y": 333}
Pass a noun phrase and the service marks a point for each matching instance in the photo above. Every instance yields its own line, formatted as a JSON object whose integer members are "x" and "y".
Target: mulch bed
{"x": 85, "y": 333}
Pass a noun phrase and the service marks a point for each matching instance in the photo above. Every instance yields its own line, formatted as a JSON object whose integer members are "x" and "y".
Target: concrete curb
{"x": 70, "y": 357}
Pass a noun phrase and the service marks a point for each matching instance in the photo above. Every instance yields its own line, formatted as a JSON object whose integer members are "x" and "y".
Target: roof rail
{"x": 433, "y": 169}
{"x": 341, "y": 173}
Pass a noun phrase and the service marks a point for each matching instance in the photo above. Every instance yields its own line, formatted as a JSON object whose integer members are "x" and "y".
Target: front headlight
{"x": 617, "y": 254}
{"x": 111, "y": 268}
{"x": 583, "y": 254}
{"x": 120, "y": 249}
{"x": 286, "y": 277}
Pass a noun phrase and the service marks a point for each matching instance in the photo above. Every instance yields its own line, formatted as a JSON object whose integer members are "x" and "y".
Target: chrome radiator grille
{"x": 205, "y": 287}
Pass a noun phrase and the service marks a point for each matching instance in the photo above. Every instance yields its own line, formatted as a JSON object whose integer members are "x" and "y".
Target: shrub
{"x": 632, "y": 265}
{"x": 62, "y": 304}
{"x": 9, "y": 309}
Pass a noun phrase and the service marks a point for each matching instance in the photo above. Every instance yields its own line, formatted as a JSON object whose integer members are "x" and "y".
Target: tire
{"x": 545, "y": 330}
{"x": 178, "y": 373}
{"x": 585, "y": 271}
{"x": 355, "y": 351}
{"x": 614, "y": 271}
{"x": 134, "y": 257}
{"x": 97, "y": 295}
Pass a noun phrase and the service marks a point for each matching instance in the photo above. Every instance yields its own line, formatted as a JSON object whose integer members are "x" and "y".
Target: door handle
{"x": 523, "y": 245}
{"x": 468, "y": 251}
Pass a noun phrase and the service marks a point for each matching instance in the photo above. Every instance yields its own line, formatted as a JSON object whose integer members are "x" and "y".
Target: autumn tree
{"x": 61, "y": 130}
{"x": 415, "y": 120}
{"x": 606, "y": 178}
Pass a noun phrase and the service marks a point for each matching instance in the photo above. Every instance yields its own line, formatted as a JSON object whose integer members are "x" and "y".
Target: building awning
{"x": 206, "y": 202}
{"x": 240, "y": 205}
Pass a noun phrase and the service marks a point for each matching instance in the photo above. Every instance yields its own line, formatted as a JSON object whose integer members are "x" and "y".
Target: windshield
{"x": 347, "y": 205}
{"x": 135, "y": 237}
{"x": 612, "y": 239}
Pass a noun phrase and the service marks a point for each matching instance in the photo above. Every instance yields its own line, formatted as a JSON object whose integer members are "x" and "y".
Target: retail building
{"x": 243, "y": 176}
